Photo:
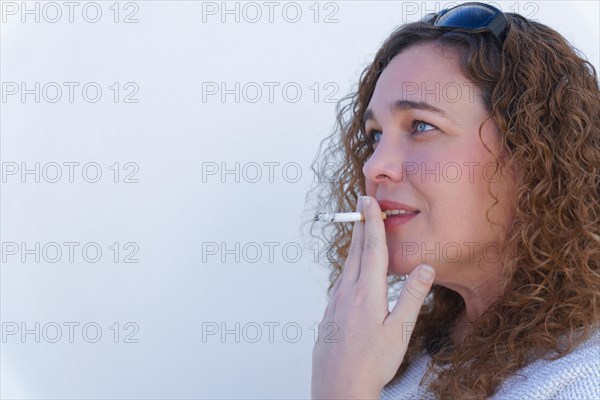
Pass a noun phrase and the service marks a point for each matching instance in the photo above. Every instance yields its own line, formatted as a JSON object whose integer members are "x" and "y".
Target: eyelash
{"x": 415, "y": 122}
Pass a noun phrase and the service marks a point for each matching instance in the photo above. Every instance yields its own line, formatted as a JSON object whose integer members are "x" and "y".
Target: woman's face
{"x": 428, "y": 156}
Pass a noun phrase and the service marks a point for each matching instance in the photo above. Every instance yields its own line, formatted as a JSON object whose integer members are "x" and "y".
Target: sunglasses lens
{"x": 471, "y": 16}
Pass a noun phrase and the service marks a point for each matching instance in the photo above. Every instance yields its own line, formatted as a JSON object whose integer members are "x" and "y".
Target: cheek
{"x": 458, "y": 206}
{"x": 454, "y": 215}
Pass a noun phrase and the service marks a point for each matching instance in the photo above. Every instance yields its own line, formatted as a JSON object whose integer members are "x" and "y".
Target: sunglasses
{"x": 471, "y": 17}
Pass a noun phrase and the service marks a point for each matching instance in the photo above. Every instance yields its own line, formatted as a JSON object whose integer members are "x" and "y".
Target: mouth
{"x": 396, "y": 208}
{"x": 391, "y": 213}
{"x": 396, "y": 213}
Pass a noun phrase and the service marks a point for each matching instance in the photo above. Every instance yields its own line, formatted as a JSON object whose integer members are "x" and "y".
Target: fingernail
{"x": 426, "y": 274}
{"x": 366, "y": 200}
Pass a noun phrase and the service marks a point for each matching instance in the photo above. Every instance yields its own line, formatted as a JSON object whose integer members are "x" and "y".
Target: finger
{"x": 411, "y": 298}
{"x": 374, "y": 262}
{"x": 352, "y": 264}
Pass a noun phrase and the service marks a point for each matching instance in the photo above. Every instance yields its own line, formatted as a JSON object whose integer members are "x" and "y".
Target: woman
{"x": 484, "y": 127}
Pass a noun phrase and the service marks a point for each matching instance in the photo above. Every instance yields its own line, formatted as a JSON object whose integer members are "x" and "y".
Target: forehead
{"x": 425, "y": 73}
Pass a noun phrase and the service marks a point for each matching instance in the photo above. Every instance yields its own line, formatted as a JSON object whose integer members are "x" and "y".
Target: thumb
{"x": 411, "y": 298}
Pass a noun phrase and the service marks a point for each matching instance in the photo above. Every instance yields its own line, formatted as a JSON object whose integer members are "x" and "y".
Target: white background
{"x": 174, "y": 212}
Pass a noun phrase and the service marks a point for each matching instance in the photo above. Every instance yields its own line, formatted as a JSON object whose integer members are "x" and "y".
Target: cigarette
{"x": 343, "y": 217}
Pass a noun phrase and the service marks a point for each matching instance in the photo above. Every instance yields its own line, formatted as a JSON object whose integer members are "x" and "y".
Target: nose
{"x": 385, "y": 164}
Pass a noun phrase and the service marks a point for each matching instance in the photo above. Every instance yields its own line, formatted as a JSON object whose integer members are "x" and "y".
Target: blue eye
{"x": 422, "y": 124}
{"x": 419, "y": 127}
{"x": 374, "y": 135}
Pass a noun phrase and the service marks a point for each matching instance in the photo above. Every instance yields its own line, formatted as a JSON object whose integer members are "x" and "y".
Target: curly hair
{"x": 543, "y": 95}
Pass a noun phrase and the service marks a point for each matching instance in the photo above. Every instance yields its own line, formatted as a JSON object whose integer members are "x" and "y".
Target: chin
{"x": 403, "y": 264}
{"x": 397, "y": 267}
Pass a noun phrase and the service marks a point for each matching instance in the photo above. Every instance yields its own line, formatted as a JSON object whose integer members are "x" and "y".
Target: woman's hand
{"x": 360, "y": 343}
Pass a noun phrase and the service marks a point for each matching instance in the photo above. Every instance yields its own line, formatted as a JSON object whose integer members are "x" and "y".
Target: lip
{"x": 394, "y": 205}
{"x": 394, "y": 221}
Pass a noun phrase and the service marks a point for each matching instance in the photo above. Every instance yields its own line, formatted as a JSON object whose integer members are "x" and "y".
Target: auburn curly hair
{"x": 544, "y": 97}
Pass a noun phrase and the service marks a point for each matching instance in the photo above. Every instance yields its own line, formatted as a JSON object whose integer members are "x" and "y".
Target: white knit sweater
{"x": 574, "y": 376}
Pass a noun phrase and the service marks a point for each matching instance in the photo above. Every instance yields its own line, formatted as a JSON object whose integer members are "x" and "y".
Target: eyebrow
{"x": 399, "y": 105}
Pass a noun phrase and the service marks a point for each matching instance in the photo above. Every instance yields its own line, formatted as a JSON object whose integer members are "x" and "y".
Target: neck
{"x": 477, "y": 299}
